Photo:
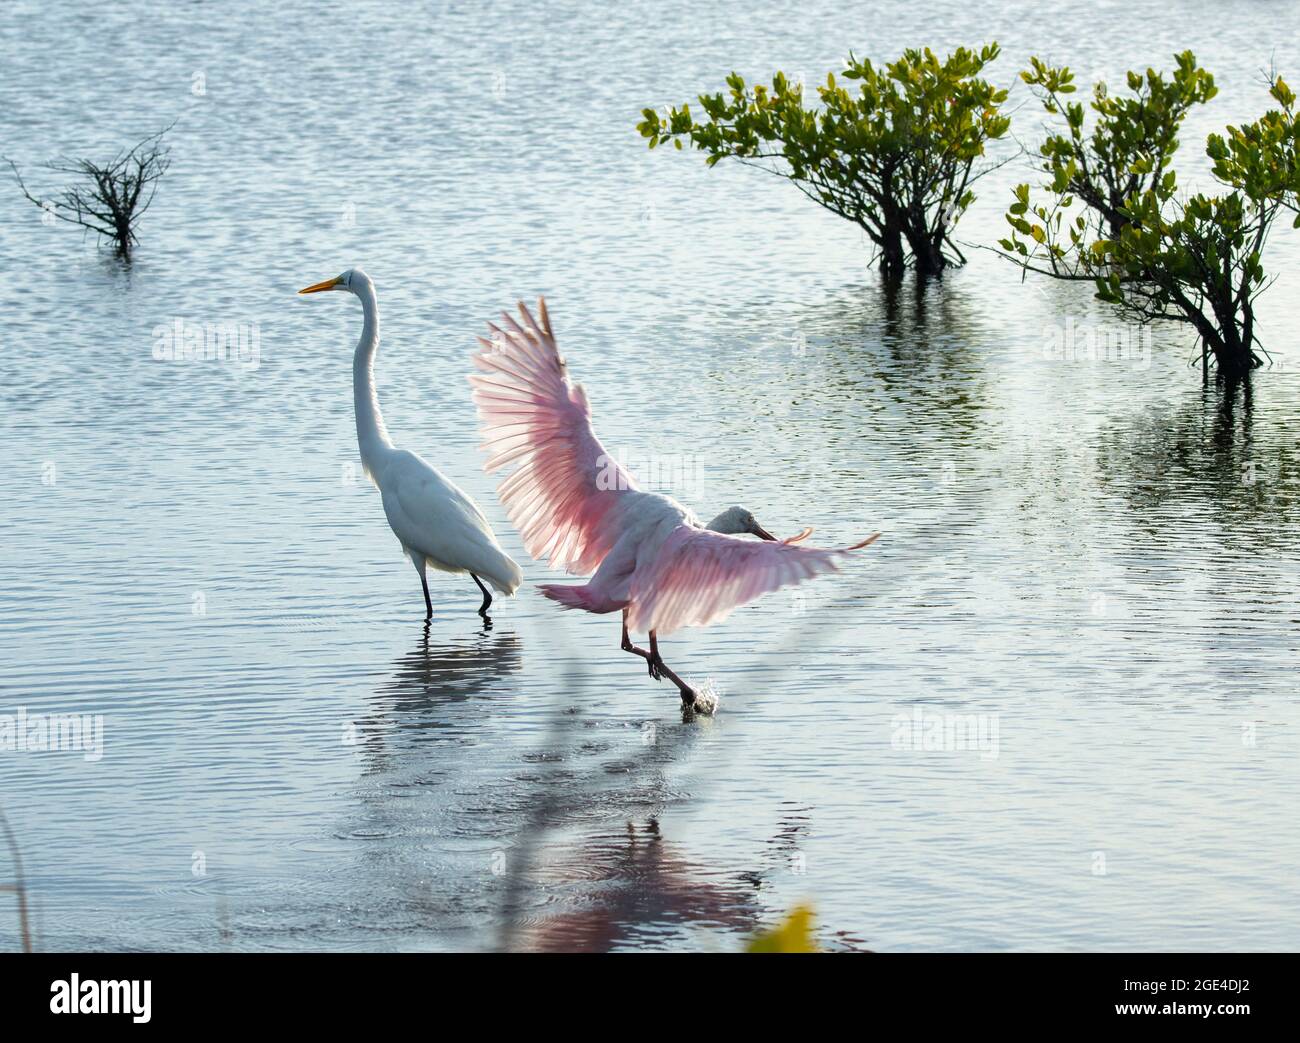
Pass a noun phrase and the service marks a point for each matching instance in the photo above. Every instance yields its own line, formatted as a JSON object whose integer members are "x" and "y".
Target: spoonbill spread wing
{"x": 699, "y": 576}
{"x": 563, "y": 497}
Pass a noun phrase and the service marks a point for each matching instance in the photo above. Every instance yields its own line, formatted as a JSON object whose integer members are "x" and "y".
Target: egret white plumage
{"x": 577, "y": 508}
{"x": 437, "y": 523}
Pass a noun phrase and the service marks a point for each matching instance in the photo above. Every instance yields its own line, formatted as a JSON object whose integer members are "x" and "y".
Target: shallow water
{"x": 1099, "y": 559}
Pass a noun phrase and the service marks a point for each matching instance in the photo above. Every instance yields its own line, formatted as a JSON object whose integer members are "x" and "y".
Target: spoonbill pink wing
{"x": 563, "y": 495}
{"x": 699, "y": 576}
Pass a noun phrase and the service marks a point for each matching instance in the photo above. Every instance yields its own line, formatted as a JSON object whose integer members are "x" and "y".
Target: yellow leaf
{"x": 794, "y": 935}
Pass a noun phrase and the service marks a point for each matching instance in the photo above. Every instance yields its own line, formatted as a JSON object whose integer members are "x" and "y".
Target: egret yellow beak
{"x": 328, "y": 284}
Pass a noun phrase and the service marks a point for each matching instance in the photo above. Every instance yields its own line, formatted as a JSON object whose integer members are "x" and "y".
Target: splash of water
{"x": 708, "y": 694}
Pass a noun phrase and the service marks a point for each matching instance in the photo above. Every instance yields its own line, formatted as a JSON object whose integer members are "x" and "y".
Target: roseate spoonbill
{"x": 436, "y": 522}
{"x": 577, "y": 508}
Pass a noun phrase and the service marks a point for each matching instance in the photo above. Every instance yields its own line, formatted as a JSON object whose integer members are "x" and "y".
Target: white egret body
{"x": 437, "y": 523}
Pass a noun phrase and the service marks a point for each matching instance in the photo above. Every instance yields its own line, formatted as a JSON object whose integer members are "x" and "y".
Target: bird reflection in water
{"x": 432, "y": 674}
{"x": 426, "y": 697}
{"x": 635, "y": 883}
{"x": 632, "y": 883}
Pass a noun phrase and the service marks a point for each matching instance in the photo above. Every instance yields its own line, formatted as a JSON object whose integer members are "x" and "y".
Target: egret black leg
{"x": 487, "y": 598}
{"x": 428, "y": 605}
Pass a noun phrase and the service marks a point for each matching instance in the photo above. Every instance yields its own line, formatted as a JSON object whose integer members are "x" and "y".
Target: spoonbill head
{"x": 739, "y": 520}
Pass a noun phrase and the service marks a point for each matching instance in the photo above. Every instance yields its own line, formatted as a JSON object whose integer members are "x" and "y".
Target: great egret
{"x": 436, "y": 522}
{"x": 576, "y": 507}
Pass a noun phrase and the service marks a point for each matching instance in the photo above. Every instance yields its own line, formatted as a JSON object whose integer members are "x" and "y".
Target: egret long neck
{"x": 372, "y": 436}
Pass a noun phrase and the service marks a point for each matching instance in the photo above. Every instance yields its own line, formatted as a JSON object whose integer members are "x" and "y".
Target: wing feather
{"x": 699, "y": 576}
{"x": 537, "y": 421}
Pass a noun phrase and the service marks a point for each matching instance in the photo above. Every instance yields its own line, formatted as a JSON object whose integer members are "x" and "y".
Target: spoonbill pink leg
{"x": 658, "y": 668}
{"x": 627, "y": 645}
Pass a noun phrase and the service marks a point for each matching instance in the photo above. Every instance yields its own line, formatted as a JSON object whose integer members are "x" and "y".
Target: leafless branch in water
{"x": 111, "y": 197}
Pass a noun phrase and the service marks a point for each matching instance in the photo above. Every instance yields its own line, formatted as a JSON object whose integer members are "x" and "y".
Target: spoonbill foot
{"x": 658, "y": 669}
{"x": 653, "y": 660}
{"x": 690, "y": 697}
{"x": 706, "y": 701}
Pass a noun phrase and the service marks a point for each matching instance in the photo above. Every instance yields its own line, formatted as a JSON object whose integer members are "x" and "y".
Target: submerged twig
{"x": 19, "y": 886}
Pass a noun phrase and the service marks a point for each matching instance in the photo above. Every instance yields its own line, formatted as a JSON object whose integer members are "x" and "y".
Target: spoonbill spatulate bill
{"x": 437, "y": 523}
{"x": 577, "y": 509}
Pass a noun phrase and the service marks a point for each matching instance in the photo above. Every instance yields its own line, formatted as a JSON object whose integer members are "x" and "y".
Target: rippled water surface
{"x": 1100, "y": 559}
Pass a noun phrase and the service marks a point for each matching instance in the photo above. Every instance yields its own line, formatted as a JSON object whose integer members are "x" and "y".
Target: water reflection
{"x": 1203, "y": 451}
{"x": 434, "y": 673}
{"x": 912, "y": 351}
{"x": 562, "y": 798}
{"x": 423, "y": 698}
{"x": 631, "y": 884}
